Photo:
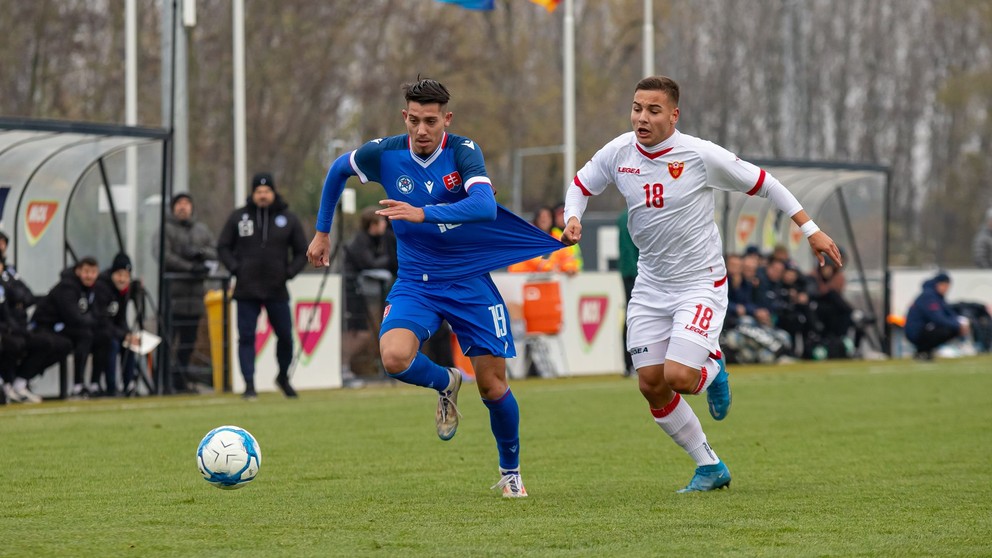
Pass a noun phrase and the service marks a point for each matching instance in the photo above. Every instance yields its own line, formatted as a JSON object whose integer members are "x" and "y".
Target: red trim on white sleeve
{"x": 761, "y": 180}
{"x": 578, "y": 183}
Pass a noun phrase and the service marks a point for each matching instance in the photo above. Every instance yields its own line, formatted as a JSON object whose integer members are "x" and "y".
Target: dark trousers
{"x": 43, "y": 349}
{"x": 12, "y": 347}
{"x": 282, "y": 326}
{"x": 185, "y": 327}
{"x": 933, "y": 336}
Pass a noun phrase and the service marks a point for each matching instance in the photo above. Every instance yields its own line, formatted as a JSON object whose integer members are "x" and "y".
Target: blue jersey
{"x": 439, "y": 251}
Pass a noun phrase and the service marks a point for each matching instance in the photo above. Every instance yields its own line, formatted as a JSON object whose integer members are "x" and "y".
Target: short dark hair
{"x": 426, "y": 92}
{"x": 660, "y": 83}
{"x": 86, "y": 261}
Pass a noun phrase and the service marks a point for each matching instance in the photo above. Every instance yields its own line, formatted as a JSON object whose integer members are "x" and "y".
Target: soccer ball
{"x": 228, "y": 457}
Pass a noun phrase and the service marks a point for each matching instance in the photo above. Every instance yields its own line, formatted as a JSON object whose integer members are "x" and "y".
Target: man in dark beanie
{"x": 189, "y": 247}
{"x": 263, "y": 246}
{"x": 114, "y": 289}
{"x": 930, "y": 321}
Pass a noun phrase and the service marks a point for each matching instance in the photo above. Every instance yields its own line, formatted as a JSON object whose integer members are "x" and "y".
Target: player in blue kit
{"x": 450, "y": 234}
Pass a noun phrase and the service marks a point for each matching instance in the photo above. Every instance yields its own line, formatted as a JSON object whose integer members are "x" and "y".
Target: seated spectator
{"x": 796, "y": 318}
{"x": 26, "y": 352}
{"x": 930, "y": 321}
{"x": 113, "y": 292}
{"x": 750, "y": 334}
{"x": 740, "y": 292}
{"x": 834, "y": 326}
{"x": 68, "y": 311}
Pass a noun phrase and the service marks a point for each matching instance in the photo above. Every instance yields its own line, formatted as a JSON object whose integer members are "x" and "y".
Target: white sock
{"x": 20, "y": 384}
{"x": 707, "y": 374}
{"x": 679, "y": 421}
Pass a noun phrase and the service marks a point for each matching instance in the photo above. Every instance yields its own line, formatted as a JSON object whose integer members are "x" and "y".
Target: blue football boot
{"x": 708, "y": 477}
{"x": 718, "y": 394}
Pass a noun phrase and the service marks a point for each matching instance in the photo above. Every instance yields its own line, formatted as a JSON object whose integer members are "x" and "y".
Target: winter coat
{"x": 929, "y": 307}
{"x": 111, "y": 306}
{"x": 68, "y": 303}
{"x": 18, "y": 298}
{"x": 188, "y": 244}
{"x": 264, "y": 248}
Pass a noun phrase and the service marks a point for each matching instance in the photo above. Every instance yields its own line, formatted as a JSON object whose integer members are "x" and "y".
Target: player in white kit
{"x": 679, "y": 301}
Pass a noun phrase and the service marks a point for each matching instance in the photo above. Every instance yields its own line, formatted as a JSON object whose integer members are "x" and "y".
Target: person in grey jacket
{"x": 263, "y": 246}
{"x": 189, "y": 246}
{"x": 981, "y": 247}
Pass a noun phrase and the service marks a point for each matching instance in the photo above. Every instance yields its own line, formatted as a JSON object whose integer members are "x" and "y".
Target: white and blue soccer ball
{"x": 228, "y": 457}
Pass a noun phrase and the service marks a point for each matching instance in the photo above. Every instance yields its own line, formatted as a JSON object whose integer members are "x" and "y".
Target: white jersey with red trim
{"x": 669, "y": 193}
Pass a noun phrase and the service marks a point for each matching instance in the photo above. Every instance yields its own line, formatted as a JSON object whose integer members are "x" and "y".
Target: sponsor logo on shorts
{"x": 638, "y": 350}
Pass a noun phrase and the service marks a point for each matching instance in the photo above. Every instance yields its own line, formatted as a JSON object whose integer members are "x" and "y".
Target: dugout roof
{"x": 72, "y": 189}
{"x": 848, "y": 201}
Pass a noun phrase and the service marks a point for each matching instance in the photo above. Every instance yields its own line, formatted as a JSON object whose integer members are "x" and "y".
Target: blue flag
{"x": 471, "y": 4}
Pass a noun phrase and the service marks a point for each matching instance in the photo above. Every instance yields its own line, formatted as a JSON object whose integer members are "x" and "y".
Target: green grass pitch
{"x": 828, "y": 459}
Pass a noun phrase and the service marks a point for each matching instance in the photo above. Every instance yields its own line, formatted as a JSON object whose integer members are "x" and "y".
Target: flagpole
{"x": 648, "y": 38}
{"x": 568, "y": 49}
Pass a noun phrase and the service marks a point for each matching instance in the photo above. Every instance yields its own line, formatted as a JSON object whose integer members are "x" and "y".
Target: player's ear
{"x": 403, "y": 112}
{"x": 447, "y": 118}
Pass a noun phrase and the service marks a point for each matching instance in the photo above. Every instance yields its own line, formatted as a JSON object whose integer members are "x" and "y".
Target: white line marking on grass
{"x": 66, "y": 409}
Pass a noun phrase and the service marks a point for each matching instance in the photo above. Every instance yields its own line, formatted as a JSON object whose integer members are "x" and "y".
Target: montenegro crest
{"x": 675, "y": 168}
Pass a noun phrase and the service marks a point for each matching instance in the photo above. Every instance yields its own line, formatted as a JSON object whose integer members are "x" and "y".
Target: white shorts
{"x": 692, "y": 312}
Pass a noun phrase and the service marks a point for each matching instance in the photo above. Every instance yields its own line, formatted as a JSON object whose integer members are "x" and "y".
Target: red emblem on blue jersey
{"x": 453, "y": 181}
{"x": 675, "y": 168}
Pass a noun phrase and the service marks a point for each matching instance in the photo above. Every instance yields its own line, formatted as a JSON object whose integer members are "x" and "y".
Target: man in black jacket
{"x": 26, "y": 353}
{"x": 68, "y": 311}
{"x": 114, "y": 290}
{"x": 263, "y": 246}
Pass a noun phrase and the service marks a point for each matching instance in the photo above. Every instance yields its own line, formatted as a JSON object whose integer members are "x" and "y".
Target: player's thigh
{"x": 413, "y": 307}
{"x": 649, "y": 322}
{"x": 479, "y": 318}
{"x": 699, "y": 315}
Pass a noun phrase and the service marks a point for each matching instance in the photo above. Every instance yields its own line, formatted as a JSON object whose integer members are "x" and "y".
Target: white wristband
{"x": 809, "y": 228}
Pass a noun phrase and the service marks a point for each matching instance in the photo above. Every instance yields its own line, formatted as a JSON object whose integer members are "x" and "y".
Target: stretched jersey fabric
{"x": 446, "y": 251}
{"x": 669, "y": 194}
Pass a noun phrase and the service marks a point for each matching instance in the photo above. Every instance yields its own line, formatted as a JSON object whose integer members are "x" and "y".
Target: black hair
{"x": 660, "y": 83}
{"x": 426, "y": 92}
{"x": 88, "y": 260}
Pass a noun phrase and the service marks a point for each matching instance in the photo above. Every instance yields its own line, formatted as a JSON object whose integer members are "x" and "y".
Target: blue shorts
{"x": 473, "y": 307}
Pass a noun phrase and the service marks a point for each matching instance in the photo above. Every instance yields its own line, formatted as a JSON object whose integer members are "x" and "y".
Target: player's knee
{"x": 395, "y": 360}
{"x": 681, "y": 378}
{"x": 652, "y": 386}
{"x": 492, "y": 390}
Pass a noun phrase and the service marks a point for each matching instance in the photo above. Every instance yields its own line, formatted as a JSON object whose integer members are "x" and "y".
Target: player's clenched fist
{"x": 319, "y": 250}
{"x": 572, "y": 233}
